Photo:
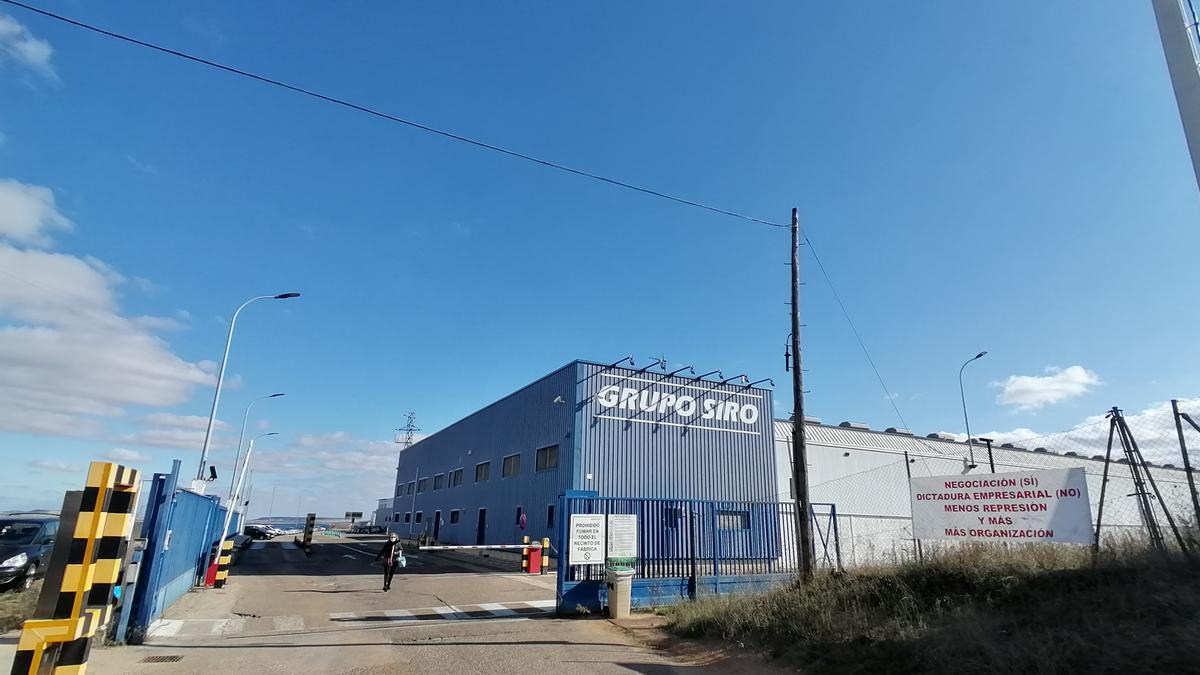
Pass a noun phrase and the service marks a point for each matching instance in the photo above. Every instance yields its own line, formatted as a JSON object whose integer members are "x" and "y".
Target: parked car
{"x": 257, "y": 532}
{"x": 26, "y": 540}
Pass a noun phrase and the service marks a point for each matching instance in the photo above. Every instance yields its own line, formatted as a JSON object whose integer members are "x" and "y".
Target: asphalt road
{"x": 283, "y": 612}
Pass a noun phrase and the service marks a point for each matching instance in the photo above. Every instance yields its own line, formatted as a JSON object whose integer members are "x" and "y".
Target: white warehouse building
{"x": 864, "y": 473}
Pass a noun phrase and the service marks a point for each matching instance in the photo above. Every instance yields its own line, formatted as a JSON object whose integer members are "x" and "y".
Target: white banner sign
{"x": 587, "y": 539}
{"x": 1021, "y": 506}
{"x": 622, "y": 536}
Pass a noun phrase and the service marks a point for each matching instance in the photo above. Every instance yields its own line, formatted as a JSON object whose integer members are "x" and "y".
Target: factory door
{"x": 437, "y": 524}
{"x": 481, "y": 528}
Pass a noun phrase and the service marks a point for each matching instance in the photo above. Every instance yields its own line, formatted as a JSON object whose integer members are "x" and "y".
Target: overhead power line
{"x": 393, "y": 118}
{"x": 480, "y": 144}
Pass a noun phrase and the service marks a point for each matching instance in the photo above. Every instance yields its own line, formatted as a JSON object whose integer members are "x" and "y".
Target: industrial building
{"x": 496, "y": 475}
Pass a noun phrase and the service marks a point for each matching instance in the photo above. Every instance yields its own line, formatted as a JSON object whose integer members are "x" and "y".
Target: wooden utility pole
{"x": 799, "y": 446}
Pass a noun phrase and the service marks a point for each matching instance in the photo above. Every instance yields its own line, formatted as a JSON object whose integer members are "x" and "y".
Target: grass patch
{"x": 1026, "y": 609}
{"x": 16, "y": 607}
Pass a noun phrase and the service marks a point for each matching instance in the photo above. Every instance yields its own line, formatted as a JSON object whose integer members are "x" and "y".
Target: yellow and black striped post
{"x": 525, "y": 555}
{"x": 545, "y": 555}
{"x": 77, "y": 595}
{"x": 310, "y": 524}
{"x": 223, "y": 560}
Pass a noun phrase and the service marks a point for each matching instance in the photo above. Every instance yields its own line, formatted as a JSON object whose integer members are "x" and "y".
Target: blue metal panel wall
{"x": 638, "y": 436}
{"x": 517, "y": 424}
{"x": 194, "y": 527}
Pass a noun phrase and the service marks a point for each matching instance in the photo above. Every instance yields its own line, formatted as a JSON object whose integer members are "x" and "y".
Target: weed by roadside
{"x": 1035, "y": 609}
{"x": 16, "y": 607}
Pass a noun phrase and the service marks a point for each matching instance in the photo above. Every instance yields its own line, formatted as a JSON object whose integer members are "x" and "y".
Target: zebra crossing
{"x": 166, "y": 630}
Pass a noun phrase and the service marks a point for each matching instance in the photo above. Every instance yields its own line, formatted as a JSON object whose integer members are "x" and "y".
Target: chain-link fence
{"x": 866, "y": 475}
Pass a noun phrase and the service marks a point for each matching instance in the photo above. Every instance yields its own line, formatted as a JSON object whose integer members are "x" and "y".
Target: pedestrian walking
{"x": 392, "y": 555}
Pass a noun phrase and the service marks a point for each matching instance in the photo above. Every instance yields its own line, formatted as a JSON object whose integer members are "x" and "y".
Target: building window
{"x": 411, "y": 486}
{"x": 419, "y": 514}
{"x": 456, "y": 478}
{"x": 439, "y": 481}
{"x": 408, "y": 517}
{"x": 512, "y": 466}
{"x": 547, "y": 458}
{"x": 483, "y": 472}
{"x": 454, "y": 516}
{"x": 733, "y": 520}
{"x": 520, "y": 514}
{"x": 422, "y": 484}
{"x": 549, "y": 515}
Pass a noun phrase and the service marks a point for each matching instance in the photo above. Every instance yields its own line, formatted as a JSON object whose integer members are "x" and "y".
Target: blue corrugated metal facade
{"x": 618, "y": 431}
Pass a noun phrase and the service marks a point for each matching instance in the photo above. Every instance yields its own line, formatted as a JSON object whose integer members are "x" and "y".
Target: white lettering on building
{"x": 647, "y": 401}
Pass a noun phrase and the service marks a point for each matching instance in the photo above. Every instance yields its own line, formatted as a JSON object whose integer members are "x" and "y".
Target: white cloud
{"x": 168, "y": 430}
{"x": 1152, "y": 427}
{"x": 28, "y": 214}
{"x": 1030, "y": 392}
{"x": 173, "y": 421}
{"x": 51, "y": 465}
{"x": 19, "y": 46}
{"x": 68, "y": 355}
{"x": 125, "y": 455}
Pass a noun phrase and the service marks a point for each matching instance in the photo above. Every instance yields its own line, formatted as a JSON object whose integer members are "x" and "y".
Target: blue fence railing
{"x": 688, "y": 548}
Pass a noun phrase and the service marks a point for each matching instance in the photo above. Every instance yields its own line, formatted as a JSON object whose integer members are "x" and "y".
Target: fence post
{"x": 1187, "y": 462}
{"x": 692, "y": 548}
{"x": 716, "y": 534}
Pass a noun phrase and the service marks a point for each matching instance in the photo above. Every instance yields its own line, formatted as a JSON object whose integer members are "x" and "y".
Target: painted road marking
{"x": 199, "y": 629}
{"x": 288, "y": 623}
{"x": 165, "y": 628}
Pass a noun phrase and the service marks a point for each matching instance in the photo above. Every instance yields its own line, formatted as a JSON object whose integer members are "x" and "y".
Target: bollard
{"x": 525, "y": 554}
{"x": 223, "y": 560}
{"x": 77, "y": 596}
{"x": 545, "y": 555}
{"x": 310, "y": 523}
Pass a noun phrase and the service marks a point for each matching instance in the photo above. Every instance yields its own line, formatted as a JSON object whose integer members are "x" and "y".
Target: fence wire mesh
{"x": 870, "y": 485}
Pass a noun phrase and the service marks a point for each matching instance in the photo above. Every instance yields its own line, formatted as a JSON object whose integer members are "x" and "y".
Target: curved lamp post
{"x": 238, "y": 491}
{"x": 212, "y": 415}
{"x": 242, "y": 436}
{"x": 962, "y": 393}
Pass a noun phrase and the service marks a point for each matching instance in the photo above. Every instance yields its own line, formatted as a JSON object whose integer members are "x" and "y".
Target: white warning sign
{"x": 587, "y": 539}
{"x": 1022, "y": 506}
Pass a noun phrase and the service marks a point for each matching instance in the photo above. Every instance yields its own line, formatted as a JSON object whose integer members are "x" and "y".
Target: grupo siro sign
{"x": 1024, "y": 506}
{"x": 643, "y": 400}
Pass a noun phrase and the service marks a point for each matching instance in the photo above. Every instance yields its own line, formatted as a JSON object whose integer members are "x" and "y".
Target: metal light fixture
{"x": 690, "y": 369}
{"x": 212, "y": 415}
{"x": 765, "y": 379}
{"x": 966, "y": 419}
{"x": 715, "y": 372}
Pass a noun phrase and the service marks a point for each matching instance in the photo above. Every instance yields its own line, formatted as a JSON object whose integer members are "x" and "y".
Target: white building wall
{"x": 862, "y": 473}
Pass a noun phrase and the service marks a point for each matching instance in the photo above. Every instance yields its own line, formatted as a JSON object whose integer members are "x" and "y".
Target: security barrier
{"x": 223, "y": 560}
{"x": 77, "y": 596}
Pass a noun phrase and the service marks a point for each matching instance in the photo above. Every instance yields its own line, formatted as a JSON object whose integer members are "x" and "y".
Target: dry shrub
{"x": 1020, "y": 609}
{"x": 16, "y": 607}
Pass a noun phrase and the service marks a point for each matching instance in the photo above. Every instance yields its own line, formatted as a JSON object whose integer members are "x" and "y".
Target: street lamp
{"x": 212, "y": 415}
{"x": 962, "y": 393}
{"x": 238, "y": 491}
{"x": 242, "y": 436}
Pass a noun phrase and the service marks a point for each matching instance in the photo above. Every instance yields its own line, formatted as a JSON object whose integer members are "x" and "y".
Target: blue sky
{"x": 1004, "y": 176}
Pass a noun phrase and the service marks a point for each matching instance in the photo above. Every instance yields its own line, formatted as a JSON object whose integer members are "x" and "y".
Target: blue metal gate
{"x": 690, "y": 548}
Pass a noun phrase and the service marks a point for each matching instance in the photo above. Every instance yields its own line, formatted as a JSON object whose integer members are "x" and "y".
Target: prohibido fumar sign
{"x": 1023, "y": 506}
